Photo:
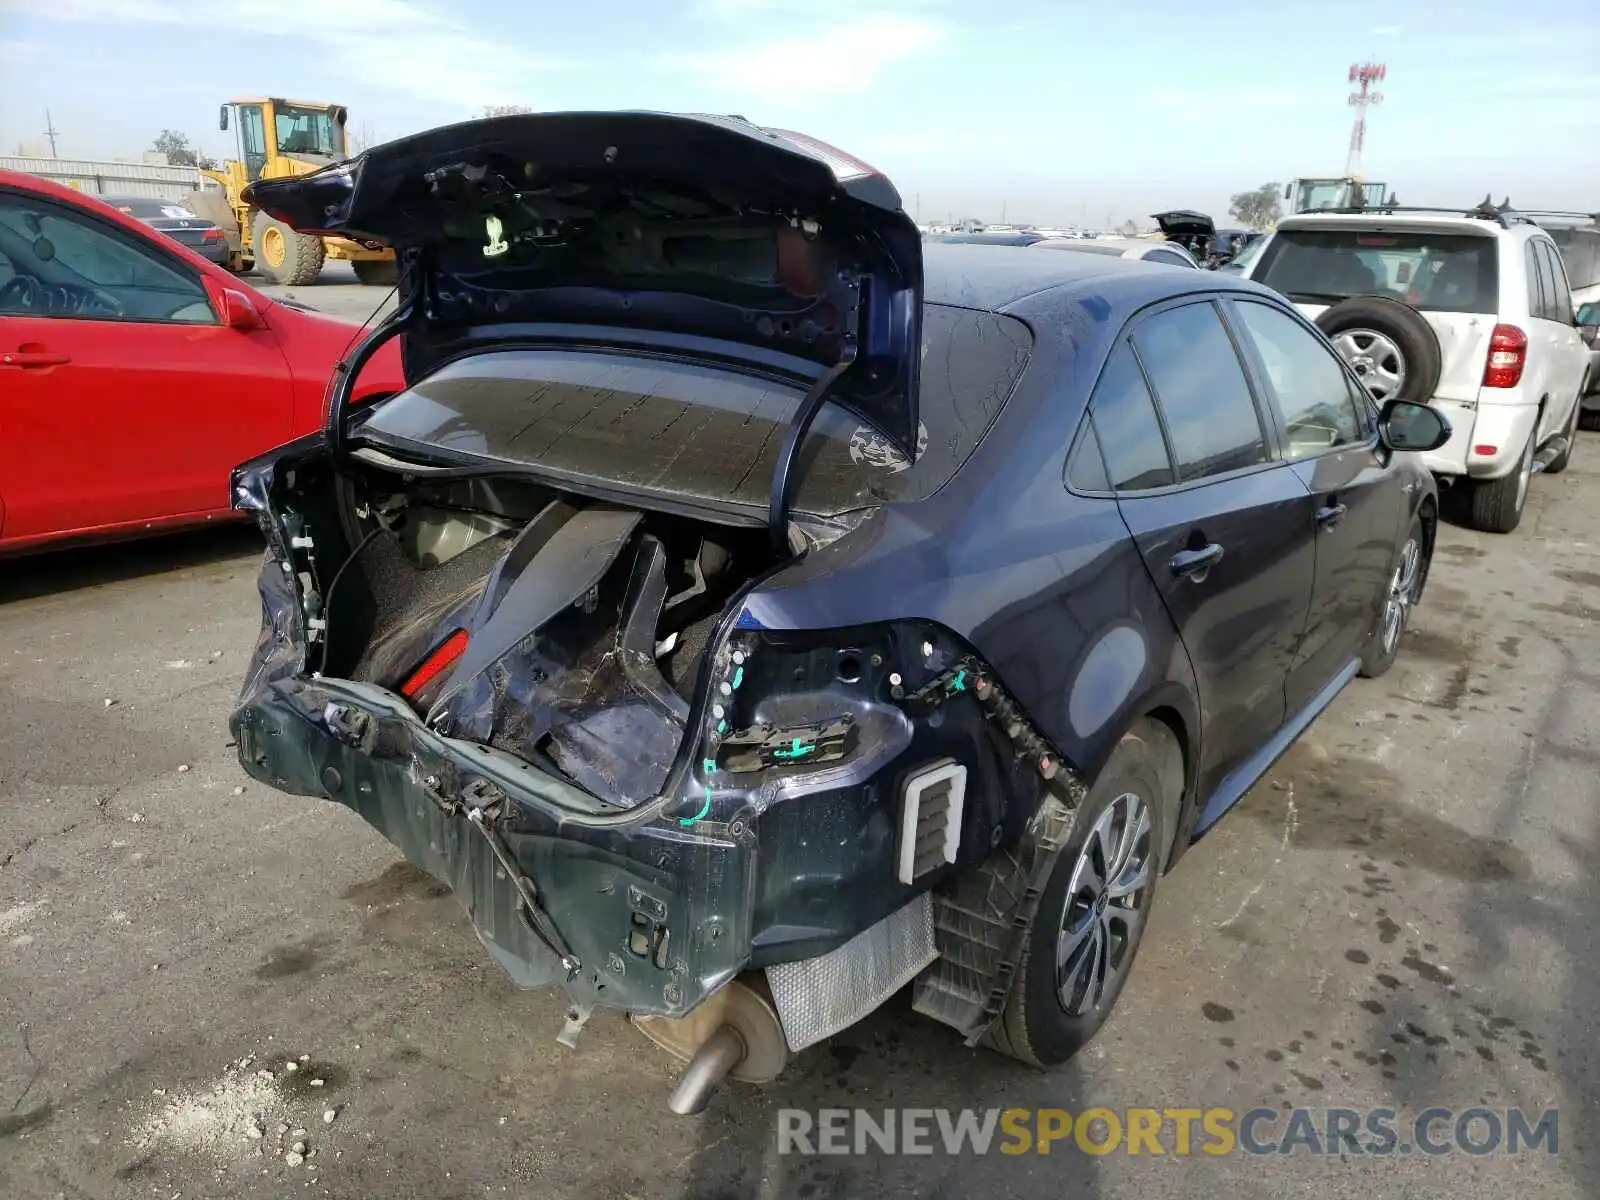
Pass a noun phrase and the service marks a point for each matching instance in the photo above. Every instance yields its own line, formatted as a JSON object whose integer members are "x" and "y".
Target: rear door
{"x": 1568, "y": 356}
{"x": 1330, "y": 439}
{"x": 1224, "y": 527}
{"x": 122, "y": 397}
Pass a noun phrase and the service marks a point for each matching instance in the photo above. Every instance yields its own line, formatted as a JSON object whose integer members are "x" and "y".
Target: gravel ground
{"x": 198, "y": 975}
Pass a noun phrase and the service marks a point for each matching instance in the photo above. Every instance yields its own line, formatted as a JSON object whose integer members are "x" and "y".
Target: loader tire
{"x": 284, "y": 256}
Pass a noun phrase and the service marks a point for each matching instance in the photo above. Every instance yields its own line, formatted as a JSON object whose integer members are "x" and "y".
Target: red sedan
{"x": 134, "y": 374}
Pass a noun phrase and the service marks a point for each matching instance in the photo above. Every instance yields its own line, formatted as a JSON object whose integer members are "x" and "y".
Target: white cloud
{"x": 419, "y": 50}
{"x": 842, "y": 57}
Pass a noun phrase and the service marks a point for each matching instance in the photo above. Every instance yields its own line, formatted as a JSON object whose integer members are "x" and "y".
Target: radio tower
{"x": 1364, "y": 75}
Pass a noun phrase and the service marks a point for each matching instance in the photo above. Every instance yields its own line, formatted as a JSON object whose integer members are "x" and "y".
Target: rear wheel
{"x": 1405, "y": 586}
{"x": 1092, "y": 914}
{"x": 284, "y": 256}
{"x": 376, "y": 272}
{"x": 1497, "y": 504}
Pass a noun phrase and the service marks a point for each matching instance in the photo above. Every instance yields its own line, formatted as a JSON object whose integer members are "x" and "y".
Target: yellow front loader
{"x": 276, "y": 138}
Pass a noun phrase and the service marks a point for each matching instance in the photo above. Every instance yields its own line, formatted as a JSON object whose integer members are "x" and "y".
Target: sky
{"x": 1055, "y": 113}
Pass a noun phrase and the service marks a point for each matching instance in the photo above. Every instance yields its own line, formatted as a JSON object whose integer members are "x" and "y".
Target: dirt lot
{"x": 1404, "y": 914}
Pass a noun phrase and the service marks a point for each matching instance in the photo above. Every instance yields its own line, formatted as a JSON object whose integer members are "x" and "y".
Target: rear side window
{"x": 1560, "y": 301}
{"x": 1128, "y": 429}
{"x": 1434, "y": 272}
{"x": 1086, "y": 469}
{"x": 1201, "y": 390}
{"x": 1541, "y": 296}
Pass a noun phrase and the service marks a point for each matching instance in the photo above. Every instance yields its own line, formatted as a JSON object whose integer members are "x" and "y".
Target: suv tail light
{"x": 1508, "y": 352}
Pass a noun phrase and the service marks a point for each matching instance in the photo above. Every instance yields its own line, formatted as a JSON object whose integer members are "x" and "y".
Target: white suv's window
{"x": 1560, "y": 301}
{"x": 1434, "y": 272}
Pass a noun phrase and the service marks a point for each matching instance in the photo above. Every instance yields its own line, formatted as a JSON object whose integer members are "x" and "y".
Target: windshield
{"x": 706, "y": 434}
{"x": 306, "y": 131}
{"x": 1434, "y": 272}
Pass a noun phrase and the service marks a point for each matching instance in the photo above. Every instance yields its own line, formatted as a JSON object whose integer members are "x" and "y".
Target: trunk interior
{"x": 563, "y": 631}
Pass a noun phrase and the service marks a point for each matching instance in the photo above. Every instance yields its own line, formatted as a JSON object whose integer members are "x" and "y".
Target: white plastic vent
{"x": 930, "y": 819}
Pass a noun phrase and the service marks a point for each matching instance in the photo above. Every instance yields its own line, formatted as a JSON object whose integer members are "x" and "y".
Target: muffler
{"x": 733, "y": 1034}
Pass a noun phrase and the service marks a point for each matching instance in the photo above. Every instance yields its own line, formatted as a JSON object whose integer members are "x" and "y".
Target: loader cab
{"x": 285, "y": 137}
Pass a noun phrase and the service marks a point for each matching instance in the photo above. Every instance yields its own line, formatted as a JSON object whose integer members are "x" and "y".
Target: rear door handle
{"x": 1186, "y": 564}
{"x": 1330, "y": 515}
{"x": 32, "y": 358}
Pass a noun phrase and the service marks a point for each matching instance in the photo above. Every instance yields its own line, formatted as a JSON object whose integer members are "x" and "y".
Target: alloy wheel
{"x": 1402, "y": 594}
{"x": 1375, "y": 358}
{"x": 1106, "y": 903}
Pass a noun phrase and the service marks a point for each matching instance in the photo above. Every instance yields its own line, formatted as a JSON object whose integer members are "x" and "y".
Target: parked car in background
{"x": 1189, "y": 229}
{"x": 1003, "y": 238}
{"x": 1145, "y": 249}
{"x": 900, "y": 615}
{"x": 134, "y": 374}
{"x": 177, "y": 222}
{"x": 1470, "y": 312}
{"x": 1589, "y": 330}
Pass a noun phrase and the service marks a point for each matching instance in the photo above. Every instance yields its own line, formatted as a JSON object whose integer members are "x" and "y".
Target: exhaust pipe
{"x": 734, "y": 1034}
{"x": 712, "y": 1063}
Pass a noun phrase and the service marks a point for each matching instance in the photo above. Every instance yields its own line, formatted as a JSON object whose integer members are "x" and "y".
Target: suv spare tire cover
{"x": 1401, "y": 324}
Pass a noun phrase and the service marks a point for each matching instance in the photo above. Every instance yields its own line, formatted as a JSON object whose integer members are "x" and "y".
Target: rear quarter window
{"x": 1431, "y": 271}
{"x": 707, "y": 434}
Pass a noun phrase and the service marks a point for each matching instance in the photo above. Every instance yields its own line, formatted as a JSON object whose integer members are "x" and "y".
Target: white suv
{"x": 1470, "y": 312}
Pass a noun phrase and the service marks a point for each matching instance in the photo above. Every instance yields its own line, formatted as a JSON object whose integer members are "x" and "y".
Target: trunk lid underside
{"x": 738, "y": 241}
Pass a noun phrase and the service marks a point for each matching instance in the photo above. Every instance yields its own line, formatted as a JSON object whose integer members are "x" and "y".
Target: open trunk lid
{"x": 1185, "y": 225}
{"x": 710, "y": 234}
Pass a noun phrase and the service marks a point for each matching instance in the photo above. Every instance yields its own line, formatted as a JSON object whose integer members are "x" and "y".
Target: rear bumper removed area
{"x": 628, "y": 910}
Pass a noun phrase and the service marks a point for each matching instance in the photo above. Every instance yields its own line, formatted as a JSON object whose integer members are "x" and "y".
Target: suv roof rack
{"x": 1502, "y": 213}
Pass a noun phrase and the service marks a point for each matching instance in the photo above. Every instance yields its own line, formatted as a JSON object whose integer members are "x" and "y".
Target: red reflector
{"x": 1486, "y": 451}
{"x": 1370, "y": 239}
{"x": 436, "y": 664}
{"x": 1508, "y": 351}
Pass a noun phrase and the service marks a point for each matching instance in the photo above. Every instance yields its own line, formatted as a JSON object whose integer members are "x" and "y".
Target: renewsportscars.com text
{"x": 1167, "y": 1131}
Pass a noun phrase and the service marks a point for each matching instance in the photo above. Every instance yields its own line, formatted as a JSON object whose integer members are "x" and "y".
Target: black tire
{"x": 1497, "y": 504}
{"x": 1035, "y": 1026}
{"x": 1402, "y": 591}
{"x": 1589, "y": 418}
{"x": 377, "y": 272}
{"x": 302, "y": 253}
{"x": 1404, "y": 327}
{"x": 1559, "y": 463}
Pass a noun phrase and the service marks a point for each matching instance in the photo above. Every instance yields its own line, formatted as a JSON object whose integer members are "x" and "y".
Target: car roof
{"x": 995, "y": 277}
{"x": 1442, "y": 222}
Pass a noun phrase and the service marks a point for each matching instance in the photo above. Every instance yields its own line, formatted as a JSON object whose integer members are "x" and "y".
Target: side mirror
{"x": 222, "y": 118}
{"x": 1588, "y": 314}
{"x": 1407, "y": 425}
{"x": 238, "y": 311}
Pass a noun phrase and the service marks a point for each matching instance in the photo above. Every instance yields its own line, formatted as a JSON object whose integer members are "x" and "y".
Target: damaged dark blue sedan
{"x": 749, "y": 611}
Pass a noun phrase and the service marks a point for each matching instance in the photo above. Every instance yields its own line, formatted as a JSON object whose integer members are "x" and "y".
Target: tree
{"x": 1130, "y": 228}
{"x": 179, "y": 152}
{"x": 1259, "y": 208}
{"x": 505, "y": 110}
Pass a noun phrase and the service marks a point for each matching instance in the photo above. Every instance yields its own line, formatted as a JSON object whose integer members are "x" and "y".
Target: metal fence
{"x": 103, "y": 178}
